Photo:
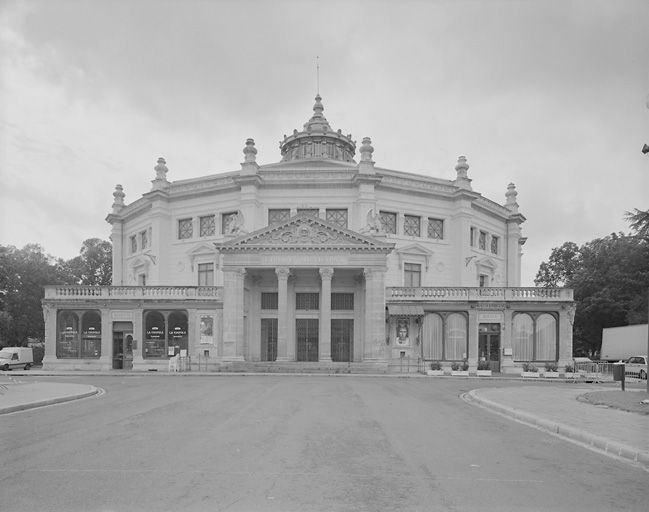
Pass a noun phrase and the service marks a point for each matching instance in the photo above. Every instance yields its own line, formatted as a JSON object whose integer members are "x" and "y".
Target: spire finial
{"x": 317, "y": 72}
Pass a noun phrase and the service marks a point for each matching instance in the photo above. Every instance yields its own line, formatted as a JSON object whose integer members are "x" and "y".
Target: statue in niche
{"x": 235, "y": 226}
{"x": 402, "y": 333}
{"x": 373, "y": 222}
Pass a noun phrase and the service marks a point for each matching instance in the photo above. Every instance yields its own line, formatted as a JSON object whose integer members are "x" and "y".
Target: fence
{"x": 594, "y": 371}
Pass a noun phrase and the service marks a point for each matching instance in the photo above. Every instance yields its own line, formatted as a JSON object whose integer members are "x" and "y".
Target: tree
{"x": 23, "y": 273}
{"x": 609, "y": 276}
{"x": 639, "y": 222}
{"x": 93, "y": 266}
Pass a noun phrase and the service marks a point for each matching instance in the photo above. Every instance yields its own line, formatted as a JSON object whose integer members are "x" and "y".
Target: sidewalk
{"x": 16, "y": 395}
{"x": 556, "y": 410}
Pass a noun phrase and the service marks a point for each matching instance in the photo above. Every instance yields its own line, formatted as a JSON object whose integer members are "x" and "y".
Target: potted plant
{"x": 460, "y": 369}
{"x": 529, "y": 370}
{"x": 484, "y": 369}
{"x": 569, "y": 372}
{"x": 435, "y": 369}
{"x": 551, "y": 371}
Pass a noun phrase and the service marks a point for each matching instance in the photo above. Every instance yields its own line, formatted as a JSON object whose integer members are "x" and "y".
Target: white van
{"x": 16, "y": 357}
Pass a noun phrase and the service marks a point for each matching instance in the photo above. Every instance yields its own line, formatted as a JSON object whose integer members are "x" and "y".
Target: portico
{"x": 305, "y": 290}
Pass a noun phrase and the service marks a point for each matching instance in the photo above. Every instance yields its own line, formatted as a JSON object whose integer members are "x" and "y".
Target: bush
{"x": 551, "y": 367}
{"x": 484, "y": 365}
{"x": 529, "y": 367}
{"x": 435, "y": 365}
{"x": 569, "y": 368}
{"x": 455, "y": 366}
{"x": 465, "y": 365}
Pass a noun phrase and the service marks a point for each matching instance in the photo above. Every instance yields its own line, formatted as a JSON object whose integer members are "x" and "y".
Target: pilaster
{"x": 106, "y": 354}
{"x": 49, "y": 316}
{"x": 473, "y": 335}
{"x": 374, "y": 347}
{"x": 566, "y": 320}
{"x": 324, "y": 344}
{"x": 282, "y": 313}
{"x": 507, "y": 342}
{"x": 233, "y": 314}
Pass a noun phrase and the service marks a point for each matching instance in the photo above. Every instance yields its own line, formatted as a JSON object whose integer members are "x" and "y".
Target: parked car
{"x": 636, "y": 366}
{"x": 16, "y": 357}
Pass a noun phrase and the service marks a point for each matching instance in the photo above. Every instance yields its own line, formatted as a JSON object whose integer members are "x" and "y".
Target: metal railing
{"x": 594, "y": 371}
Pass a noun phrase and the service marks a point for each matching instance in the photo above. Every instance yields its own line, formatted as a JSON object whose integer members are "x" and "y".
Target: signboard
{"x": 178, "y": 332}
{"x": 207, "y": 330}
{"x": 91, "y": 332}
{"x": 155, "y": 333}
{"x": 490, "y": 317}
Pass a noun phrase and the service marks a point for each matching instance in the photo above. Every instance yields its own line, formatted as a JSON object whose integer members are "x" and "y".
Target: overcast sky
{"x": 550, "y": 95}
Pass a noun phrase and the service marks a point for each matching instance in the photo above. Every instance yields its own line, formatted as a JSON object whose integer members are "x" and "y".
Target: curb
{"x": 582, "y": 437}
{"x": 51, "y": 401}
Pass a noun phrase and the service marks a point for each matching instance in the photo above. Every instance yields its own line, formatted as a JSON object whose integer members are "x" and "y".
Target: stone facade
{"x": 314, "y": 259}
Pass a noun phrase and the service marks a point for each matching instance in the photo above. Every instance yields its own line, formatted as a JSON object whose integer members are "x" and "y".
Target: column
{"x": 233, "y": 314}
{"x": 566, "y": 320}
{"x": 374, "y": 346}
{"x": 282, "y": 313}
{"x": 49, "y": 315}
{"x": 106, "y": 354}
{"x": 324, "y": 343}
{"x": 473, "y": 337}
{"x": 507, "y": 342}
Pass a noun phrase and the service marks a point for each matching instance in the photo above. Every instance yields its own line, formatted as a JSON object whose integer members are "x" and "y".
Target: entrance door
{"x": 306, "y": 330}
{"x": 269, "y": 339}
{"x": 118, "y": 350}
{"x": 342, "y": 340}
{"x": 489, "y": 345}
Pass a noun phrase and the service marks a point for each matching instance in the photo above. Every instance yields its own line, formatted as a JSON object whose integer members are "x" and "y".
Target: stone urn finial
{"x": 250, "y": 151}
{"x": 161, "y": 170}
{"x": 511, "y": 194}
{"x": 366, "y": 150}
{"x": 118, "y": 201}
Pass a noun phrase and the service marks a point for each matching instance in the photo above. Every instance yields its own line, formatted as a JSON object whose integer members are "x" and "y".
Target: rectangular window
{"x": 388, "y": 222}
{"x": 206, "y": 274}
{"x": 133, "y": 244}
{"x": 472, "y": 237}
{"x": 435, "y": 228}
{"x": 411, "y": 225}
{"x": 307, "y": 301}
{"x": 482, "y": 241}
{"x": 412, "y": 274}
{"x": 269, "y": 300}
{"x": 313, "y": 212}
{"x": 207, "y": 226}
{"x": 342, "y": 301}
{"x": 226, "y": 222}
{"x": 494, "y": 244}
{"x": 484, "y": 280}
{"x": 278, "y": 215}
{"x": 144, "y": 239}
{"x": 337, "y": 216}
{"x": 185, "y": 229}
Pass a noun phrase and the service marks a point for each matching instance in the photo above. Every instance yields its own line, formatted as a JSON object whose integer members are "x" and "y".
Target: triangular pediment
{"x": 304, "y": 232}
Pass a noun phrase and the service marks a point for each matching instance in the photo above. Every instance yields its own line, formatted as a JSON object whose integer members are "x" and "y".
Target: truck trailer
{"x": 620, "y": 343}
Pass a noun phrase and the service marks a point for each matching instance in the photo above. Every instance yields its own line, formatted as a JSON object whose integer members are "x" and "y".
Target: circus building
{"x": 321, "y": 261}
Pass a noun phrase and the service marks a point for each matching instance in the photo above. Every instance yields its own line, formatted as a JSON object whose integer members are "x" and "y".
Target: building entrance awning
{"x": 405, "y": 310}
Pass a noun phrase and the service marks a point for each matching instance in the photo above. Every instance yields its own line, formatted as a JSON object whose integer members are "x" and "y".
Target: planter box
{"x": 571, "y": 375}
{"x": 460, "y": 373}
{"x": 435, "y": 372}
{"x": 551, "y": 375}
{"x": 483, "y": 373}
{"x": 532, "y": 375}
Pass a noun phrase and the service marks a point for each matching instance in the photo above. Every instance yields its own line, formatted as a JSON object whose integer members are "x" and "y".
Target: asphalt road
{"x": 314, "y": 443}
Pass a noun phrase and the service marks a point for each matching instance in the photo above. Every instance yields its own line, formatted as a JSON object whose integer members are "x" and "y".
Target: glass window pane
{"x": 207, "y": 226}
{"x": 67, "y": 340}
{"x": 523, "y": 337}
{"x": 456, "y": 337}
{"x": 269, "y": 300}
{"x": 337, "y": 217}
{"x": 278, "y": 215}
{"x": 411, "y": 225}
{"x": 307, "y": 301}
{"x": 412, "y": 274}
{"x": 436, "y": 228}
{"x": 432, "y": 337}
{"x": 388, "y": 222}
{"x": 155, "y": 335}
{"x": 342, "y": 301}
{"x": 494, "y": 245}
{"x": 185, "y": 229}
{"x": 206, "y": 274}
{"x": 91, "y": 335}
{"x": 546, "y": 338}
{"x": 482, "y": 241}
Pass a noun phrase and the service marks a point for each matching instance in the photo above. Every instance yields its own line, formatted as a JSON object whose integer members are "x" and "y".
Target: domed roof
{"x": 318, "y": 140}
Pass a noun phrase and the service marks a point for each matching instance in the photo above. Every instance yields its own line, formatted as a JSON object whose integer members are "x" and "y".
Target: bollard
{"x": 619, "y": 373}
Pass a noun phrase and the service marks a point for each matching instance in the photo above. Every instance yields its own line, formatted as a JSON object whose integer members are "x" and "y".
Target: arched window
{"x": 455, "y": 347}
{"x": 433, "y": 337}
{"x": 155, "y": 335}
{"x": 178, "y": 330}
{"x": 67, "y": 335}
{"x": 523, "y": 341}
{"x": 546, "y": 338}
{"x": 91, "y": 334}
{"x": 535, "y": 337}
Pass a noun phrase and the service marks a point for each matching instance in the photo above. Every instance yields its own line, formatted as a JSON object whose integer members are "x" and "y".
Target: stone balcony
{"x": 85, "y": 293}
{"x": 464, "y": 294}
